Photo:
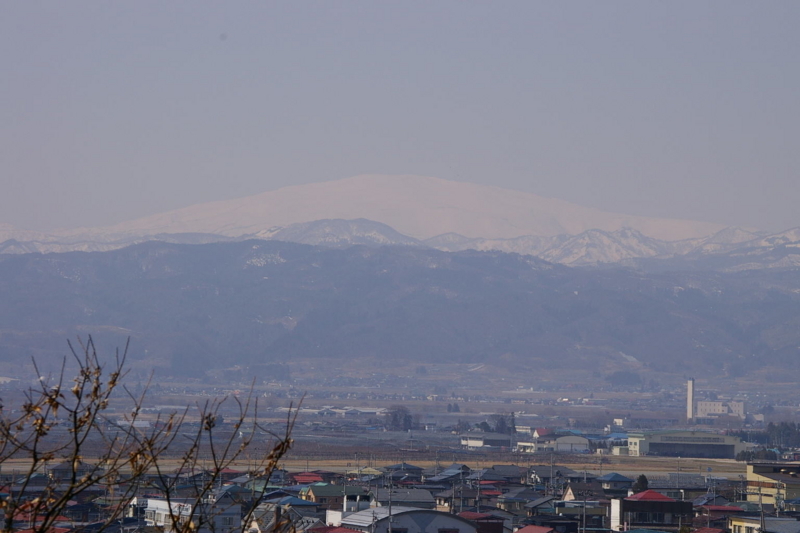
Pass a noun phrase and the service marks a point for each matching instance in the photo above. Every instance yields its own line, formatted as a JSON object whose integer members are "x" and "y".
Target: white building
{"x": 211, "y": 516}
{"x": 562, "y": 444}
{"x": 712, "y": 409}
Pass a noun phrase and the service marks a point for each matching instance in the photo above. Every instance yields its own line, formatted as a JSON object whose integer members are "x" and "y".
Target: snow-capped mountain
{"x": 527, "y": 244}
{"x": 420, "y": 207}
{"x": 727, "y": 247}
{"x": 338, "y": 233}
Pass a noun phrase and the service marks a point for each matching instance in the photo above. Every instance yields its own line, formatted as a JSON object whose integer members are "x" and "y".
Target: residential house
{"x": 649, "y": 509}
{"x": 752, "y": 524}
{"x": 418, "y": 498}
{"x": 615, "y": 484}
{"x": 330, "y": 496}
{"x": 579, "y": 491}
{"x": 212, "y": 516}
{"x": 402, "y": 520}
{"x": 541, "y": 506}
{"x": 63, "y": 472}
{"x": 515, "y": 500}
{"x": 536, "y": 529}
{"x": 456, "y": 499}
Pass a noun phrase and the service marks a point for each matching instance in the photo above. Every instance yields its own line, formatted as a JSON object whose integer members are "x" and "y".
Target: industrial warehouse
{"x": 684, "y": 444}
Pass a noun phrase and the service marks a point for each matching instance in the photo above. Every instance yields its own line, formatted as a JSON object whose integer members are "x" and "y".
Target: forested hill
{"x": 190, "y": 308}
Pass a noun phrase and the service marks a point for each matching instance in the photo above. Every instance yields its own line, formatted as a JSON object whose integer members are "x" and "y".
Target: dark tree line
{"x": 757, "y": 455}
{"x": 780, "y": 435}
{"x": 399, "y": 418}
{"x": 499, "y": 423}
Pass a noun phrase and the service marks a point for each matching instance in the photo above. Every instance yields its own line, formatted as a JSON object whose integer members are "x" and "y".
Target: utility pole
{"x": 584, "y": 505}
{"x": 390, "y": 510}
{"x": 478, "y": 499}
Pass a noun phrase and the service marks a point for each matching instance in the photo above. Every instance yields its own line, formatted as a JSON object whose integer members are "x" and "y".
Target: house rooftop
{"x": 649, "y": 496}
{"x": 535, "y": 529}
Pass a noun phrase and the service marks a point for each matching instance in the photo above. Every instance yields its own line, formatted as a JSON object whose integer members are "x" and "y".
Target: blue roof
{"x": 292, "y": 501}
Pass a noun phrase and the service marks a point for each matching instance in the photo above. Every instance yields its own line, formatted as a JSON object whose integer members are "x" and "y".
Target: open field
{"x": 628, "y": 466}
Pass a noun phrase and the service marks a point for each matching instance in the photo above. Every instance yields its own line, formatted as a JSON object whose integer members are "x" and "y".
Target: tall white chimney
{"x": 690, "y": 400}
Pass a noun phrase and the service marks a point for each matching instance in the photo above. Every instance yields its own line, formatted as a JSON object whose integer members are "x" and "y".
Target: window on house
{"x": 448, "y": 530}
{"x": 227, "y": 521}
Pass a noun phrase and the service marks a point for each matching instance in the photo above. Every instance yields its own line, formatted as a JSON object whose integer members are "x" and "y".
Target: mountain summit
{"x": 417, "y": 206}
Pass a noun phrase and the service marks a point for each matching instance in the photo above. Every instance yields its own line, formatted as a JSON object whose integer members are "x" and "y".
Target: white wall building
{"x": 212, "y": 516}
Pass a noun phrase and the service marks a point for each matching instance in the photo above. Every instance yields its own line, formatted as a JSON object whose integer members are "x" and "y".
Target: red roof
{"x": 491, "y": 493}
{"x": 306, "y": 477}
{"x": 535, "y": 529}
{"x": 649, "y": 496}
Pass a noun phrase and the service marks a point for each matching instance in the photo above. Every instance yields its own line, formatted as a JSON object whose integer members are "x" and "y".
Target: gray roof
{"x": 521, "y": 494}
{"x": 540, "y": 502}
{"x": 404, "y": 495}
{"x": 781, "y": 525}
{"x": 368, "y": 516}
{"x": 365, "y": 518}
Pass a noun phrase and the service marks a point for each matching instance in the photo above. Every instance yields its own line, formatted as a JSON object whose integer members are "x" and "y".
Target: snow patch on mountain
{"x": 338, "y": 233}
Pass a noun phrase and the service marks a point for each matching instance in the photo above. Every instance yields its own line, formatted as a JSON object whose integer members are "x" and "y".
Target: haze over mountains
{"x": 192, "y": 308}
{"x": 251, "y": 280}
{"x": 410, "y": 211}
{"x": 420, "y": 207}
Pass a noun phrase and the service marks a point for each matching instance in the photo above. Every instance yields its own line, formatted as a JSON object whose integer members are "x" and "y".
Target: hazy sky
{"x": 114, "y": 110}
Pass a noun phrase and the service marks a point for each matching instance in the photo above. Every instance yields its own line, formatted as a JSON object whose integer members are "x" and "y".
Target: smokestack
{"x": 690, "y": 400}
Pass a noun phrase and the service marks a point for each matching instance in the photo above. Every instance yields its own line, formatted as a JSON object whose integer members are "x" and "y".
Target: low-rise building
{"x": 773, "y": 483}
{"x": 684, "y": 444}
{"x": 476, "y": 440}
{"x": 330, "y": 496}
{"x": 217, "y": 516}
{"x": 562, "y": 444}
{"x": 402, "y": 520}
{"x": 649, "y": 510}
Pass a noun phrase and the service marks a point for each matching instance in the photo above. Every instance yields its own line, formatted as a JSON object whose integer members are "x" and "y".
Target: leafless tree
{"x": 65, "y": 421}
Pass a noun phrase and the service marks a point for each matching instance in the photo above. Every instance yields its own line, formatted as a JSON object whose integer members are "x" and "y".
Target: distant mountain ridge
{"x": 729, "y": 249}
{"x": 338, "y": 233}
{"x": 191, "y": 308}
{"x": 416, "y": 206}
